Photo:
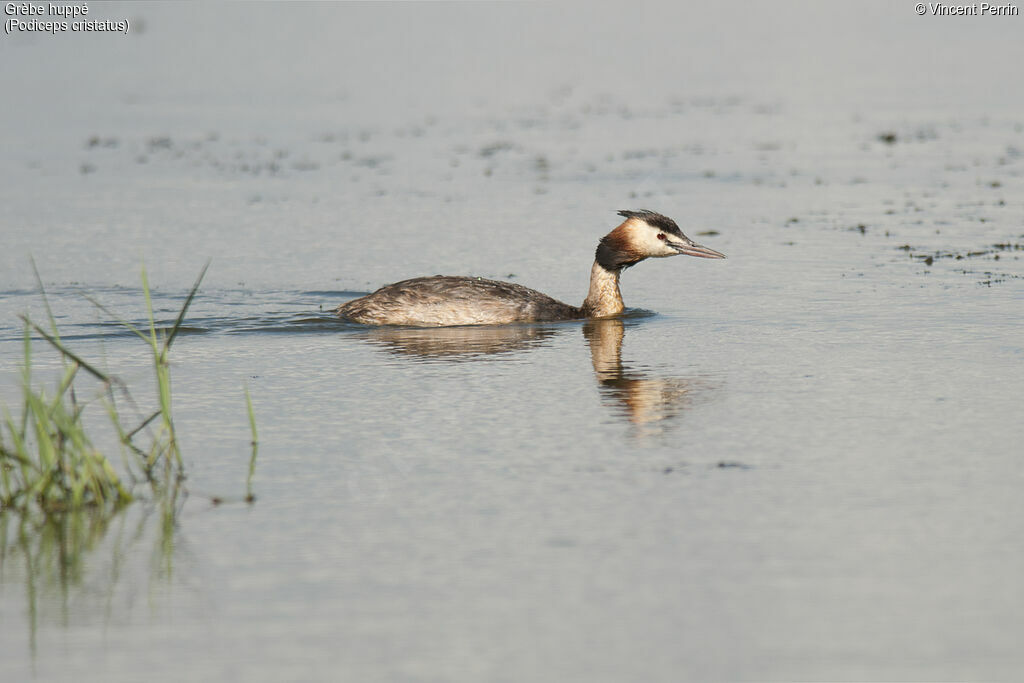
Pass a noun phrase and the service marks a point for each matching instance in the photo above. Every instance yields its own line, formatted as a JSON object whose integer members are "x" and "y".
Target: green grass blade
{"x": 121, "y": 321}
{"x": 145, "y": 423}
{"x": 185, "y": 307}
{"x": 26, "y": 378}
{"x": 19, "y": 451}
{"x": 73, "y": 356}
{"x": 249, "y": 497}
{"x": 69, "y": 377}
{"x": 46, "y": 301}
{"x": 149, "y": 310}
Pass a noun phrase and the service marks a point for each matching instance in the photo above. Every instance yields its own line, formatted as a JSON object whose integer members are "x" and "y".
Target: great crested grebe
{"x": 444, "y": 300}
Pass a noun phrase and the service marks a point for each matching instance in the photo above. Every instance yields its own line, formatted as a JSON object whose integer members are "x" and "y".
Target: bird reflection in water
{"x": 459, "y": 343}
{"x": 646, "y": 401}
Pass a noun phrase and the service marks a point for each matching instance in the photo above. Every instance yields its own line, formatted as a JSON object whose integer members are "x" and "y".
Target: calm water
{"x": 802, "y": 462}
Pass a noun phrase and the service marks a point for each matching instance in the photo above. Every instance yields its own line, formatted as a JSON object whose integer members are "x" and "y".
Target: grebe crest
{"x": 444, "y": 300}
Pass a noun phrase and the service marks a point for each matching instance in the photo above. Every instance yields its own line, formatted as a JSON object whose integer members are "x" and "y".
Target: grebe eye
{"x": 661, "y": 236}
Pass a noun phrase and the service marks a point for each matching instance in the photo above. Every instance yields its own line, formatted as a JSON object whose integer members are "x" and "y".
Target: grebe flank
{"x": 444, "y": 300}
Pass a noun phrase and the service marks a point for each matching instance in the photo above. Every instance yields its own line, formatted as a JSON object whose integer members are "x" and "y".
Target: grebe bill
{"x": 444, "y": 300}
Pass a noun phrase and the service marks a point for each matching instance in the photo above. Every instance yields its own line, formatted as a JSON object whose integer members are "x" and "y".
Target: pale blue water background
{"x": 804, "y": 464}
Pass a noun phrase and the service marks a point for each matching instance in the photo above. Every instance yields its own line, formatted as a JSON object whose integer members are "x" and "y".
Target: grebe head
{"x": 646, "y": 234}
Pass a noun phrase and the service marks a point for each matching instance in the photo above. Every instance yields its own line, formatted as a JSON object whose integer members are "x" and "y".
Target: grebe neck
{"x": 604, "y": 298}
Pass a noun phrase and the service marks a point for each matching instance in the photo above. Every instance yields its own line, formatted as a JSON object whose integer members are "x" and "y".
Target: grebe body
{"x": 444, "y": 300}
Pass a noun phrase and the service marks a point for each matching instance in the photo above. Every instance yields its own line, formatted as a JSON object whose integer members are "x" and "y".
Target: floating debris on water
{"x": 993, "y": 251}
{"x": 732, "y": 464}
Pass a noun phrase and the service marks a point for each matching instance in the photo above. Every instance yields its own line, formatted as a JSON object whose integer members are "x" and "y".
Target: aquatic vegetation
{"x": 48, "y": 463}
{"x": 60, "y": 494}
{"x": 112, "y": 555}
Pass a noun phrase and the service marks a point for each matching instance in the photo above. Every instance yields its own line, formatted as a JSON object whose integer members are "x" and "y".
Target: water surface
{"x": 799, "y": 463}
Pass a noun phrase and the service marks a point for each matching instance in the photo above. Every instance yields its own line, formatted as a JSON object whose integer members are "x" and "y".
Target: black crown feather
{"x": 655, "y": 220}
